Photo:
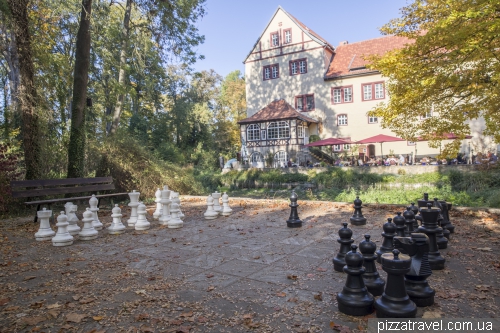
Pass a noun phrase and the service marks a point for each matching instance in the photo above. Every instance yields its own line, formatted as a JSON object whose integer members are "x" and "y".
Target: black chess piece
{"x": 422, "y": 203}
{"x": 354, "y": 299}
{"x": 441, "y": 240}
{"x": 373, "y": 282}
{"x": 388, "y": 234}
{"x": 345, "y": 241}
{"x": 400, "y": 223}
{"x": 450, "y": 226}
{"x": 409, "y": 220}
{"x": 445, "y": 223}
{"x": 395, "y": 302}
{"x": 294, "y": 220}
{"x": 430, "y": 228}
{"x": 417, "y": 217}
{"x": 358, "y": 218}
{"x": 417, "y": 287}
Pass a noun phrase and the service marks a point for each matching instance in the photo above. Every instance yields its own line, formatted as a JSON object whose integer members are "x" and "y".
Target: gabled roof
{"x": 349, "y": 59}
{"x": 314, "y": 36}
{"x": 277, "y": 110}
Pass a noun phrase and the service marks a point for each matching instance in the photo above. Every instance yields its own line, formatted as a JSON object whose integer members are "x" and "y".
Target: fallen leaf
{"x": 321, "y": 269}
{"x": 485, "y": 249}
{"x": 202, "y": 319}
{"x": 54, "y": 306}
{"x": 318, "y": 296}
{"x": 281, "y": 294}
{"x": 75, "y": 317}
{"x": 173, "y": 239}
{"x": 29, "y": 278}
{"x": 293, "y": 299}
{"x": 76, "y": 298}
{"x": 187, "y": 314}
{"x": 97, "y": 318}
{"x": 176, "y": 322}
{"x": 184, "y": 329}
{"x": 292, "y": 277}
{"x": 12, "y": 308}
{"x": 210, "y": 288}
{"x": 87, "y": 300}
{"x": 431, "y": 314}
{"x": 147, "y": 329}
{"x": 141, "y": 316}
{"x": 141, "y": 292}
{"x": 34, "y": 320}
{"x": 210, "y": 275}
{"x": 4, "y": 301}
{"x": 54, "y": 313}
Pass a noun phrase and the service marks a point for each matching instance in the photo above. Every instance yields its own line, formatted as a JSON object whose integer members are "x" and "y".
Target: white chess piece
{"x": 210, "y": 214}
{"x": 134, "y": 202}
{"x": 62, "y": 237}
{"x": 175, "y": 198}
{"x": 73, "y": 227}
{"x": 117, "y": 227}
{"x": 165, "y": 203}
{"x": 93, "y": 208}
{"x": 88, "y": 231}
{"x": 175, "y": 221}
{"x": 216, "y": 197}
{"x": 45, "y": 232}
{"x": 142, "y": 222}
{"x": 157, "y": 213}
{"x": 226, "y": 210}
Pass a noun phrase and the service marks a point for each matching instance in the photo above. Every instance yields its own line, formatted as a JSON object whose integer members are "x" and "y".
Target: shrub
{"x": 10, "y": 169}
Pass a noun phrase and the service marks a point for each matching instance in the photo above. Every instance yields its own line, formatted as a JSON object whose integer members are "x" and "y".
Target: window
{"x": 287, "y": 36}
{"x": 280, "y": 159}
{"x": 278, "y": 130}
{"x": 342, "y": 95}
{"x": 342, "y": 120}
{"x": 336, "y": 147}
{"x": 298, "y": 66}
{"x": 256, "y": 157}
{"x": 372, "y": 120}
{"x": 271, "y": 72}
{"x": 347, "y": 147}
{"x": 373, "y": 90}
{"x": 410, "y": 143}
{"x": 304, "y": 103}
{"x": 426, "y": 115}
{"x": 275, "y": 39}
{"x": 253, "y": 132}
{"x": 300, "y": 131}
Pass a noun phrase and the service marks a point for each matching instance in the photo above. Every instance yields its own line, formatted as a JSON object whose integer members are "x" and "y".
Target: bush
{"x": 10, "y": 169}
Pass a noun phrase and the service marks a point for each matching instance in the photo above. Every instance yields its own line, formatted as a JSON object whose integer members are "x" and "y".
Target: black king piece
{"x": 293, "y": 221}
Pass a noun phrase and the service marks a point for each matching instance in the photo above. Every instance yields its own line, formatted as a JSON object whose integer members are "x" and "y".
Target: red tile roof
{"x": 349, "y": 58}
{"x": 276, "y": 110}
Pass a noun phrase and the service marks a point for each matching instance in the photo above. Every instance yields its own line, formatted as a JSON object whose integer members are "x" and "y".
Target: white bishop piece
{"x": 175, "y": 198}
{"x": 88, "y": 232}
{"x": 175, "y": 221}
{"x": 73, "y": 227}
{"x": 134, "y": 202}
{"x": 62, "y": 237}
{"x": 93, "y": 208}
{"x": 45, "y": 232}
{"x": 216, "y": 197}
{"x": 116, "y": 226}
{"x": 210, "y": 214}
{"x": 165, "y": 206}
{"x": 142, "y": 222}
{"x": 157, "y": 213}
{"x": 226, "y": 210}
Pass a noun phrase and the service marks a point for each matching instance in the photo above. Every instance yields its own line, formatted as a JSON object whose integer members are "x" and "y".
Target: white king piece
{"x": 157, "y": 213}
{"x": 165, "y": 203}
{"x": 133, "y": 204}
{"x": 216, "y": 197}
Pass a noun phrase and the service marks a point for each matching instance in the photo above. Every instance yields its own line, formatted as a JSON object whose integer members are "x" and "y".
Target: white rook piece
{"x": 175, "y": 221}
{"x": 226, "y": 210}
{"x": 165, "y": 203}
{"x": 157, "y": 213}
{"x": 73, "y": 227}
{"x": 134, "y": 202}
{"x": 62, "y": 237}
{"x": 93, "y": 208}
{"x": 117, "y": 226}
{"x": 88, "y": 232}
{"x": 45, "y": 232}
{"x": 175, "y": 198}
{"x": 142, "y": 222}
{"x": 216, "y": 197}
{"x": 210, "y": 214}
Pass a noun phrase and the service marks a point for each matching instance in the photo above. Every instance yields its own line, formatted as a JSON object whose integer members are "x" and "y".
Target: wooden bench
{"x": 33, "y": 189}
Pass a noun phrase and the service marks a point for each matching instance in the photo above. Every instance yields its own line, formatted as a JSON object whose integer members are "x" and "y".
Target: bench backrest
{"x": 42, "y": 187}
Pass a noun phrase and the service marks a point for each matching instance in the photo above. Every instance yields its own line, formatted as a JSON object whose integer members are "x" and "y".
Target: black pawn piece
{"x": 450, "y": 226}
{"x": 395, "y": 302}
{"x": 400, "y": 223}
{"x": 409, "y": 220}
{"x": 430, "y": 228}
{"x": 441, "y": 240}
{"x": 417, "y": 246}
{"x": 388, "y": 234}
{"x": 345, "y": 241}
{"x": 417, "y": 217}
{"x": 354, "y": 299}
{"x": 294, "y": 220}
{"x": 373, "y": 282}
{"x": 358, "y": 218}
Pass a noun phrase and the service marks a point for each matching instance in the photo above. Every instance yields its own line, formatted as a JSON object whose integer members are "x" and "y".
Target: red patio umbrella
{"x": 380, "y": 138}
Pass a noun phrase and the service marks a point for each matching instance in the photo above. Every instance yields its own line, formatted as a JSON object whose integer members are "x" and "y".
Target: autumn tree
{"x": 450, "y": 68}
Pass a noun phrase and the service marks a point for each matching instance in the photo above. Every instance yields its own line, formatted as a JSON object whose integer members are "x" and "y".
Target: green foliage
{"x": 313, "y": 138}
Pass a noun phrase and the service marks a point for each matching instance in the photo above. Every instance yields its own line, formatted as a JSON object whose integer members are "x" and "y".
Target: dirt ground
{"x": 245, "y": 272}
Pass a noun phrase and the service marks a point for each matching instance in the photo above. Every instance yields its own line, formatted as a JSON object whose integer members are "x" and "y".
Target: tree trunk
{"x": 121, "y": 75}
{"x": 76, "y": 148}
{"x": 26, "y": 92}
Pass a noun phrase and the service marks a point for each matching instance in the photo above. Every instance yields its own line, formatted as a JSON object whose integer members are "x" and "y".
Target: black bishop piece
{"x": 400, "y": 223}
{"x": 294, "y": 220}
{"x": 388, "y": 234}
{"x": 345, "y": 240}
{"x": 373, "y": 282}
{"x": 358, "y": 218}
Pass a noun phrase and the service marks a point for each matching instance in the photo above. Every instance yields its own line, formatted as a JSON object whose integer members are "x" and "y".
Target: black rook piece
{"x": 354, "y": 299}
{"x": 345, "y": 241}
{"x": 430, "y": 228}
{"x": 388, "y": 234}
{"x": 441, "y": 240}
{"x": 395, "y": 302}
{"x": 358, "y": 218}
{"x": 293, "y": 221}
{"x": 373, "y": 282}
{"x": 417, "y": 246}
{"x": 417, "y": 217}
{"x": 399, "y": 221}
{"x": 409, "y": 220}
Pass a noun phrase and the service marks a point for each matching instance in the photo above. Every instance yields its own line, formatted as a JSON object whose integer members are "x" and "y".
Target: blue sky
{"x": 231, "y": 27}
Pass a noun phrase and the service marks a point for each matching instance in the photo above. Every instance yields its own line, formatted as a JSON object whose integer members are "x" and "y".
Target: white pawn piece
{"x": 93, "y": 208}
{"x": 216, "y": 197}
{"x": 175, "y": 221}
{"x": 116, "y": 227}
{"x": 62, "y": 237}
{"x": 157, "y": 213}
{"x": 134, "y": 202}
{"x": 142, "y": 222}
{"x": 210, "y": 214}
{"x": 88, "y": 232}
{"x": 45, "y": 232}
{"x": 73, "y": 227}
{"x": 165, "y": 203}
{"x": 175, "y": 198}
{"x": 226, "y": 210}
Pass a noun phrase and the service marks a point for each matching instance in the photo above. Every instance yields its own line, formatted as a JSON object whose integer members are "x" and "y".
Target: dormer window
{"x": 275, "y": 39}
{"x": 287, "y": 36}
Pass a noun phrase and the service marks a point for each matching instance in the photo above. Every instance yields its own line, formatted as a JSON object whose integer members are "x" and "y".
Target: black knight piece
{"x": 409, "y": 220}
{"x": 354, "y": 299}
{"x": 445, "y": 223}
{"x": 399, "y": 221}
{"x": 430, "y": 228}
{"x": 357, "y": 218}
{"x": 388, "y": 234}
{"x": 294, "y": 220}
{"x": 373, "y": 282}
{"x": 345, "y": 241}
{"x": 417, "y": 287}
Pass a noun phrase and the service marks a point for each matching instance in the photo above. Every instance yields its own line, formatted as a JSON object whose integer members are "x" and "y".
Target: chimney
{"x": 344, "y": 42}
